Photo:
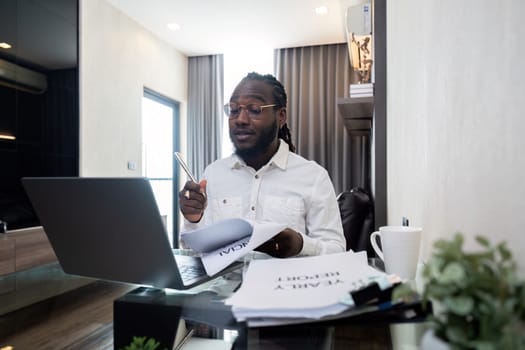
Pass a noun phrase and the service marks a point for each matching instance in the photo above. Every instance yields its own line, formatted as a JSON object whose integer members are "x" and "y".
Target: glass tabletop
{"x": 168, "y": 316}
{"x": 23, "y": 288}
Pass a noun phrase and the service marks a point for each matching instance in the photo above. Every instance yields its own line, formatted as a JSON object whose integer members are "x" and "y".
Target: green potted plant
{"x": 478, "y": 299}
{"x": 142, "y": 343}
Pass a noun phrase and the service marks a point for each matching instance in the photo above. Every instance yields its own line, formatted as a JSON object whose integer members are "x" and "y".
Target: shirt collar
{"x": 279, "y": 159}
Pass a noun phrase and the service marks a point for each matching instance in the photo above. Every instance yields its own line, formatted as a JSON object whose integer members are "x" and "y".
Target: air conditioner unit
{"x": 15, "y": 76}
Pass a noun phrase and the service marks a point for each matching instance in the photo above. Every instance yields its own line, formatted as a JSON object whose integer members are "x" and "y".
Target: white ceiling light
{"x": 4, "y": 135}
{"x": 4, "y": 45}
{"x": 321, "y": 10}
{"x": 173, "y": 26}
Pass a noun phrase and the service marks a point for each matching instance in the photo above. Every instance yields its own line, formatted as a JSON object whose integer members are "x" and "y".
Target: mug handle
{"x": 373, "y": 241}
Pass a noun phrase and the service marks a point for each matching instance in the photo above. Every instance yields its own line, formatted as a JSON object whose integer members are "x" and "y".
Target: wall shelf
{"x": 357, "y": 112}
{"x": 366, "y": 116}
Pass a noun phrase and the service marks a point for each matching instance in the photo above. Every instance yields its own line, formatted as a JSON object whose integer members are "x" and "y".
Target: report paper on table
{"x": 305, "y": 287}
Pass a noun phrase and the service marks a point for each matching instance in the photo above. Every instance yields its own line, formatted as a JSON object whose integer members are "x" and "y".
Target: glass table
{"x": 23, "y": 288}
{"x": 168, "y": 316}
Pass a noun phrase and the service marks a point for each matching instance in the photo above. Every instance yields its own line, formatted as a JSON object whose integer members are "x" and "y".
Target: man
{"x": 264, "y": 180}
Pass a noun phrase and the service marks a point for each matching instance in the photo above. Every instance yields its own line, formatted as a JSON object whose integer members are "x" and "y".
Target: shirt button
{"x": 253, "y": 208}
{"x": 256, "y": 176}
{"x": 224, "y": 201}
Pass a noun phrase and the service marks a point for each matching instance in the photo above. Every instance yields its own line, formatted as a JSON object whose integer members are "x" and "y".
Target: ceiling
{"x": 212, "y": 26}
{"x": 42, "y": 33}
{"x": 45, "y": 32}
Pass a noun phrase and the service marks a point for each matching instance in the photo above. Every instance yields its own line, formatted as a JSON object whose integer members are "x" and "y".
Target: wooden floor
{"x": 81, "y": 319}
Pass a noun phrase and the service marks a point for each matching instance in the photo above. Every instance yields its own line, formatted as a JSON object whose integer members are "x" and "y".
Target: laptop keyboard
{"x": 191, "y": 271}
{"x": 190, "y": 268}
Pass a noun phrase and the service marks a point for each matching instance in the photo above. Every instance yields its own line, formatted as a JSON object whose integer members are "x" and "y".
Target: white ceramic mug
{"x": 400, "y": 251}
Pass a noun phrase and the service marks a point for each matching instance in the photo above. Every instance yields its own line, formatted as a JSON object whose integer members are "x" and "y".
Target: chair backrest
{"x": 356, "y": 207}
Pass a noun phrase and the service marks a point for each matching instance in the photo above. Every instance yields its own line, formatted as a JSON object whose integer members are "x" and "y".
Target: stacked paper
{"x": 308, "y": 287}
{"x": 362, "y": 90}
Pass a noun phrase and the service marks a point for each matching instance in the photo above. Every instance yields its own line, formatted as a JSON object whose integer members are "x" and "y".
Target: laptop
{"x": 111, "y": 229}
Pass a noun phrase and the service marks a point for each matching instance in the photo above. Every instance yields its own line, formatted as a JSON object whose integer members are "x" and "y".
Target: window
{"x": 160, "y": 124}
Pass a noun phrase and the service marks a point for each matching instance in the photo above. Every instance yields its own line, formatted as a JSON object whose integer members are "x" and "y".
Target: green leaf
{"x": 483, "y": 345}
{"x": 456, "y": 335}
{"x": 483, "y": 241}
{"x": 404, "y": 292}
{"x": 452, "y": 273}
{"x": 461, "y": 305}
{"x": 504, "y": 252}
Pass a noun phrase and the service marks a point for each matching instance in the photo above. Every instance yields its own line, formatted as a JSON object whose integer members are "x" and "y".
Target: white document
{"x": 282, "y": 321}
{"x": 222, "y": 243}
{"x": 308, "y": 287}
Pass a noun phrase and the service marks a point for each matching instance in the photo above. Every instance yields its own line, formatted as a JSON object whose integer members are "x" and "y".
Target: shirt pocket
{"x": 226, "y": 208}
{"x": 284, "y": 210}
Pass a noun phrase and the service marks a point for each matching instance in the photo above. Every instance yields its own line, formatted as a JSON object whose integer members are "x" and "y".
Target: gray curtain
{"x": 314, "y": 77}
{"x": 205, "y": 113}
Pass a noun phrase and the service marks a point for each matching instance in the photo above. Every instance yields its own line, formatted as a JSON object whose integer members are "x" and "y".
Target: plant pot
{"x": 431, "y": 342}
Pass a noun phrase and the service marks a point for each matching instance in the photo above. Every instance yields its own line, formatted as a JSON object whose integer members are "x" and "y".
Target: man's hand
{"x": 287, "y": 243}
{"x": 192, "y": 200}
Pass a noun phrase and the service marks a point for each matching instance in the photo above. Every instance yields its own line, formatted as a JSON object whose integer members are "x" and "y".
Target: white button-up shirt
{"x": 288, "y": 189}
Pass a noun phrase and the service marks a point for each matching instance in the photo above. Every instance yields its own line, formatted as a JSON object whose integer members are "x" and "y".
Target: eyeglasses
{"x": 233, "y": 110}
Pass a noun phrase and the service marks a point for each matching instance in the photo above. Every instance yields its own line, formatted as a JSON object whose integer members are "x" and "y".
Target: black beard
{"x": 265, "y": 140}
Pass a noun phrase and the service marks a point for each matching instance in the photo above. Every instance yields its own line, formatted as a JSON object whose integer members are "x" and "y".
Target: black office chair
{"x": 356, "y": 207}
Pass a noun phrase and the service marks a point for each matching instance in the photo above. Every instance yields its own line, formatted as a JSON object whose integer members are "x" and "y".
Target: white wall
{"x": 118, "y": 58}
{"x": 456, "y": 145}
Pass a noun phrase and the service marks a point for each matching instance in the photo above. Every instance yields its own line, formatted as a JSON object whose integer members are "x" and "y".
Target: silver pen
{"x": 183, "y": 165}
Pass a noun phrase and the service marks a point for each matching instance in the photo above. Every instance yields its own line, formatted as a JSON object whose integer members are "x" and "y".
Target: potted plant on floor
{"x": 143, "y": 343}
{"x": 478, "y": 299}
